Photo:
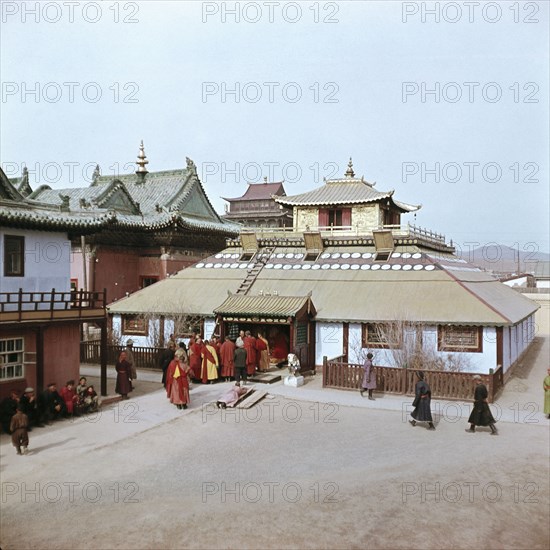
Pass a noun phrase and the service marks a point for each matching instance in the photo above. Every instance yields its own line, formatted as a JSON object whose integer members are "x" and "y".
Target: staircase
{"x": 253, "y": 273}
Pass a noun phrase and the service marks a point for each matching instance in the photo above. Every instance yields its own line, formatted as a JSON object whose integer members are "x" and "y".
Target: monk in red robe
{"x": 227, "y": 353}
{"x": 262, "y": 353}
{"x": 177, "y": 384}
{"x": 195, "y": 358}
{"x": 251, "y": 355}
{"x": 209, "y": 363}
{"x": 279, "y": 349}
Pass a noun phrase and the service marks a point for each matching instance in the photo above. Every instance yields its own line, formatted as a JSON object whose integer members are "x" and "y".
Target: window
{"x": 381, "y": 335}
{"x": 11, "y": 359}
{"x": 132, "y": 324}
{"x": 459, "y": 338}
{"x": 147, "y": 281}
{"x": 14, "y": 256}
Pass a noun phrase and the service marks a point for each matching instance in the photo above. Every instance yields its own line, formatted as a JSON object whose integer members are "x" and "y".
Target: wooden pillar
{"x": 345, "y": 341}
{"x": 39, "y": 359}
{"x": 103, "y": 357}
{"x": 161, "y": 331}
{"x": 500, "y": 348}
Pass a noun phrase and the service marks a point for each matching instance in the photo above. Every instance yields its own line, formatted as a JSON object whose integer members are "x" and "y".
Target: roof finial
{"x": 349, "y": 172}
{"x": 141, "y": 162}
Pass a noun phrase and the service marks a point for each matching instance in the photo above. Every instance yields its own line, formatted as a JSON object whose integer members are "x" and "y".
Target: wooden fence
{"x": 144, "y": 357}
{"x": 444, "y": 385}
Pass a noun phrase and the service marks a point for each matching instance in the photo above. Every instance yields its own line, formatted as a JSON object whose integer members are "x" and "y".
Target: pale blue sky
{"x": 165, "y": 60}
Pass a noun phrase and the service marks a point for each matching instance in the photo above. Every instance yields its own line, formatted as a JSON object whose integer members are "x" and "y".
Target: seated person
{"x": 8, "y": 408}
{"x": 29, "y": 405}
{"x": 91, "y": 400}
{"x": 68, "y": 394}
{"x": 82, "y": 386}
{"x": 52, "y": 404}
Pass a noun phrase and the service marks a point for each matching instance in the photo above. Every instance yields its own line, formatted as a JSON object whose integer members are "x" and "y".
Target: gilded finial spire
{"x": 349, "y": 172}
{"x": 141, "y": 162}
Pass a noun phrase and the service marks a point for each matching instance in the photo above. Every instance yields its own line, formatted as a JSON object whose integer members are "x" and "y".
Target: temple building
{"x": 40, "y": 317}
{"x": 257, "y": 207}
{"x": 350, "y": 277}
{"x": 132, "y": 230}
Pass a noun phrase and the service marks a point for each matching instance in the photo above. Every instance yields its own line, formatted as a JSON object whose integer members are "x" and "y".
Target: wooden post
{"x": 39, "y": 359}
{"x": 325, "y": 368}
{"x": 103, "y": 348}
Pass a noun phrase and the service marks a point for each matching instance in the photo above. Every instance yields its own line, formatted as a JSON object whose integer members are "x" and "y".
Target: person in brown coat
{"x": 227, "y": 356}
{"x": 19, "y": 431}
{"x": 123, "y": 376}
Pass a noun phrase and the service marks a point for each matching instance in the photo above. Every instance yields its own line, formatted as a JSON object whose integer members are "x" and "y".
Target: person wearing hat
{"x": 369, "y": 377}
{"x": 422, "y": 402}
{"x": 130, "y": 357}
{"x": 240, "y": 362}
{"x": 481, "y": 413}
{"x": 29, "y": 406}
{"x": 8, "y": 408}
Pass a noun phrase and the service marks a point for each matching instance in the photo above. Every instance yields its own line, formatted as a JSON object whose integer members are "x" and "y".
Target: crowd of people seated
{"x": 50, "y": 404}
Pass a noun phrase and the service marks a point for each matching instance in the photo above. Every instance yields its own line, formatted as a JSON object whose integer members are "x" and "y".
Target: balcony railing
{"x": 42, "y": 306}
{"x": 398, "y": 231}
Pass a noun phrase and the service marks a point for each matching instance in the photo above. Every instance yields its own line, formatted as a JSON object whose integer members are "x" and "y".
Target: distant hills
{"x": 503, "y": 259}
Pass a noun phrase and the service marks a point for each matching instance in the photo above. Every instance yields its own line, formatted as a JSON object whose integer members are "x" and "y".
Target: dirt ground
{"x": 307, "y": 468}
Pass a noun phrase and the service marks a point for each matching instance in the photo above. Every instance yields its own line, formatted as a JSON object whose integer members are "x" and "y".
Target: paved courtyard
{"x": 307, "y": 468}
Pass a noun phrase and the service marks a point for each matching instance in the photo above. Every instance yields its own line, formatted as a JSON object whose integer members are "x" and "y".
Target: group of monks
{"x": 207, "y": 356}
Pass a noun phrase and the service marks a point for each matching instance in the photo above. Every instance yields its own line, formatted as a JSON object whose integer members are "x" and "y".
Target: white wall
{"x": 47, "y": 262}
{"x": 329, "y": 338}
{"x": 543, "y": 283}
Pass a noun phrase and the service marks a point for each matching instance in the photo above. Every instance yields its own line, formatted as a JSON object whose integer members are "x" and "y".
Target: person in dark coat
{"x": 123, "y": 376}
{"x": 369, "y": 377}
{"x": 166, "y": 358}
{"x": 240, "y": 362}
{"x": 19, "y": 433}
{"x": 53, "y": 406}
{"x": 8, "y": 408}
{"x": 422, "y": 402}
{"x": 29, "y": 406}
{"x": 481, "y": 413}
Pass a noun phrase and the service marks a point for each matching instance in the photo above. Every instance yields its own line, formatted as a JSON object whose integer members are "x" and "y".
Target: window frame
{"x": 135, "y": 325}
{"x": 8, "y": 272}
{"x": 5, "y": 364}
{"x": 443, "y": 345}
{"x": 377, "y": 344}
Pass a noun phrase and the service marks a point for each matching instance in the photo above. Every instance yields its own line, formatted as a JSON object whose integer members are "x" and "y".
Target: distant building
{"x": 257, "y": 207}
{"x": 40, "y": 318}
{"x": 128, "y": 232}
{"x": 541, "y": 272}
{"x": 349, "y": 278}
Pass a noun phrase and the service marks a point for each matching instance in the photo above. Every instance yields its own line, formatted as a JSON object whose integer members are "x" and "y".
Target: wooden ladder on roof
{"x": 252, "y": 275}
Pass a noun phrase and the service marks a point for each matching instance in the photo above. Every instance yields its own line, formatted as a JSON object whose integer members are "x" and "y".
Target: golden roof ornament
{"x": 141, "y": 162}
{"x": 349, "y": 172}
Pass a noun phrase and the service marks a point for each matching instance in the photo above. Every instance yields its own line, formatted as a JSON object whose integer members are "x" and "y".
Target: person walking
{"x": 240, "y": 362}
{"x": 369, "y": 377}
{"x": 19, "y": 431}
{"x": 123, "y": 376}
{"x": 546, "y": 386}
{"x": 422, "y": 402}
{"x": 177, "y": 383}
{"x": 481, "y": 413}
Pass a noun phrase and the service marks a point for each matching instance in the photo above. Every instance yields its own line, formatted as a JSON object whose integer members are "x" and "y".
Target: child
{"x": 19, "y": 434}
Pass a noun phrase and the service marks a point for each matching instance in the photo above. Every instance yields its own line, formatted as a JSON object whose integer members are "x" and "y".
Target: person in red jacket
{"x": 251, "y": 355}
{"x": 69, "y": 396}
{"x": 195, "y": 357}
{"x": 177, "y": 384}
{"x": 227, "y": 354}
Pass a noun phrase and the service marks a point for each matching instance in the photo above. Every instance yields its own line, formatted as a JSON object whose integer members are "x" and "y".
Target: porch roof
{"x": 266, "y": 306}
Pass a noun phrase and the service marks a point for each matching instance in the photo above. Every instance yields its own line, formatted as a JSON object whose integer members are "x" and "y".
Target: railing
{"x": 404, "y": 231}
{"x": 443, "y": 384}
{"x": 144, "y": 357}
{"x": 77, "y": 302}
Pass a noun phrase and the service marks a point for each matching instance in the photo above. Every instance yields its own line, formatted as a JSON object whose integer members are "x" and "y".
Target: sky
{"x": 444, "y": 102}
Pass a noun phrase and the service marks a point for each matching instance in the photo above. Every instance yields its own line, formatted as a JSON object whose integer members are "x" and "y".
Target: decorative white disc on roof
{"x": 234, "y": 256}
{"x": 325, "y": 266}
{"x": 416, "y": 256}
{"x": 243, "y": 266}
{"x": 306, "y": 266}
{"x": 234, "y": 266}
{"x": 277, "y": 266}
{"x": 226, "y": 265}
{"x": 335, "y": 266}
{"x": 385, "y": 267}
{"x": 217, "y": 266}
{"x": 396, "y": 267}
{"x": 418, "y": 267}
{"x": 375, "y": 267}
{"x": 396, "y": 254}
{"x": 269, "y": 266}
{"x": 356, "y": 255}
{"x": 346, "y": 255}
{"x": 280, "y": 255}
{"x": 429, "y": 267}
{"x": 218, "y": 256}
{"x": 355, "y": 266}
{"x": 297, "y": 266}
{"x": 325, "y": 256}
{"x": 208, "y": 265}
{"x": 344, "y": 266}
{"x": 199, "y": 265}
{"x": 335, "y": 255}
{"x": 314, "y": 266}
{"x": 407, "y": 267}
{"x": 287, "y": 266}
{"x": 406, "y": 255}
{"x": 365, "y": 267}
{"x": 298, "y": 256}
{"x": 366, "y": 255}
{"x": 289, "y": 255}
